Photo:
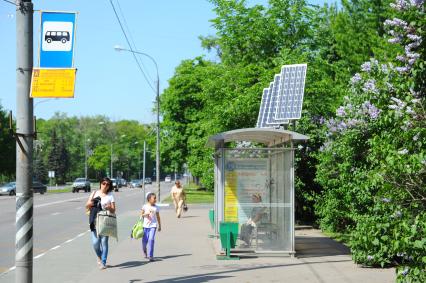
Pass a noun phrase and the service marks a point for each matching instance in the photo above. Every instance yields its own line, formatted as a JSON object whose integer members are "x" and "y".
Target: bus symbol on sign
{"x": 62, "y": 36}
{"x": 57, "y": 36}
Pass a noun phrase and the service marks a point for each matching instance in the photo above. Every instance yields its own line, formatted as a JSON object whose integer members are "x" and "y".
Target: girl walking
{"x": 101, "y": 199}
{"x": 151, "y": 222}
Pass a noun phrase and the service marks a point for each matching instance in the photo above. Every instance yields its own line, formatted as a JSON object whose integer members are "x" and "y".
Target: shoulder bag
{"x": 106, "y": 224}
{"x": 137, "y": 230}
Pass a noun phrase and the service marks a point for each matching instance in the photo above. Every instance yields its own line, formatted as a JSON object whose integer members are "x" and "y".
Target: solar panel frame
{"x": 291, "y": 91}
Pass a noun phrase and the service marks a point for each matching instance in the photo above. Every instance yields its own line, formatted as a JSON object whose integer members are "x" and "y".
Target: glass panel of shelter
{"x": 257, "y": 195}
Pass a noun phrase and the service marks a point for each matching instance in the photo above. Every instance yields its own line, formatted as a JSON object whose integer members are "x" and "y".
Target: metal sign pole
{"x": 24, "y": 146}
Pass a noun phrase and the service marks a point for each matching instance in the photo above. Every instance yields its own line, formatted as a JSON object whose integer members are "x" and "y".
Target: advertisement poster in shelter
{"x": 245, "y": 178}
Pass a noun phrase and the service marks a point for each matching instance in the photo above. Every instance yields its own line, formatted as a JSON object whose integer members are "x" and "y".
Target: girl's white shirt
{"x": 150, "y": 220}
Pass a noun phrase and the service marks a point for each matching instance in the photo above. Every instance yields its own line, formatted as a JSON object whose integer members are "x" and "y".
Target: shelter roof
{"x": 267, "y": 136}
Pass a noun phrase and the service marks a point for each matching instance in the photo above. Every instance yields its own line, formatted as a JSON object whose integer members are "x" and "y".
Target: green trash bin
{"x": 228, "y": 238}
{"x": 211, "y": 217}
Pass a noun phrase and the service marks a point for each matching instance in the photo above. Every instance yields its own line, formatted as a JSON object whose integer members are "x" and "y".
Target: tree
{"x": 40, "y": 171}
{"x": 7, "y": 145}
{"x": 101, "y": 158}
{"x": 58, "y": 159}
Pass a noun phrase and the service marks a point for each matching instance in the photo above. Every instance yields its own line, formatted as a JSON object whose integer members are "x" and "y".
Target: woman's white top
{"x": 107, "y": 199}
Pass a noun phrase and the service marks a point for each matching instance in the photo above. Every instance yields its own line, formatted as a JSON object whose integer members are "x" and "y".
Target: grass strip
{"x": 195, "y": 196}
{"x": 58, "y": 191}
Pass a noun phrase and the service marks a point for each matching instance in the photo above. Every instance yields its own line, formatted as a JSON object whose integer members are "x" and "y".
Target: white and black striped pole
{"x": 24, "y": 145}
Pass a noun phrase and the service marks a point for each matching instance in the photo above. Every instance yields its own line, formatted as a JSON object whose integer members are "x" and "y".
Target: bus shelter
{"x": 254, "y": 186}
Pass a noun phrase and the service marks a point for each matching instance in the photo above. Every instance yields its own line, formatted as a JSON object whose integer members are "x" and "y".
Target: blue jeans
{"x": 100, "y": 245}
{"x": 148, "y": 241}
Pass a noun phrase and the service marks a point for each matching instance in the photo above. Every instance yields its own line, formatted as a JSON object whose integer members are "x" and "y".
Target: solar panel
{"x": 271, "y": 114}
{"x": 266, "y": 118}
{"x": 267, "y": 106}
{"x": 289, "y": 98}
{"x": 263, "y": 103}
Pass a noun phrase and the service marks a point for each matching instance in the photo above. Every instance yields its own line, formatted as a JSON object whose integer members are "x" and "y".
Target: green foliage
{"x": 96, "y": 135}
{"x": 373, "y": 166}
{"x": 58, "y": 159}
{"x": 101, "y": 158}
{"x": 7, "y": 148}
{"x": 40, "y": 171}
{"x": 252, "y": 43}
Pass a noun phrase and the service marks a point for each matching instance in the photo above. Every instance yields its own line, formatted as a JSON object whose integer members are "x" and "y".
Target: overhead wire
{"x": 130, "y": 46}
{"x": 10, "y": 2}
{"x": 132, "y": 40}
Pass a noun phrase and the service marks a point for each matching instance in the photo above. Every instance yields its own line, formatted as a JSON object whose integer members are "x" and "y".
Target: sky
{"x": 109, "y": 82}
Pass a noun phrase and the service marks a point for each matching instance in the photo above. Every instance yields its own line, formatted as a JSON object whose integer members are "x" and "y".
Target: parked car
{"x": 148, "y": 181}
{"x": 136, "y": 183}
{"x": 122, "y": 182}
{"x": 81, "y": 184}
{"x": 8, "y": 189}
{"x": 39, "y": 187}
{"x": 168, "y": 179}
{"x": 115, "y": 185}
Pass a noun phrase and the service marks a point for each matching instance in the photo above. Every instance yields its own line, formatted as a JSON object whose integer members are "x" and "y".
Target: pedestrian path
{"x": 185, "y": 253}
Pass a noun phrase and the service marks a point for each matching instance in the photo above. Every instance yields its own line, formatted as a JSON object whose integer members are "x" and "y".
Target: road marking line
{"x": 52, "y": 249}
{"x": 59, "y": 201}
{"x": 163, "y": 204}
{"x": 39, "y": 256}
{"x": 56, "y": 213}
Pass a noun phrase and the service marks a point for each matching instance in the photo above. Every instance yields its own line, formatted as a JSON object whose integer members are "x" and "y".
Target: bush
{"x": 391, "y": 236}
{"x": 373, "y": 166}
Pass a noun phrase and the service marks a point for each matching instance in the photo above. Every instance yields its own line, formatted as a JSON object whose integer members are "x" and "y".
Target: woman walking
{"x": 101, "y": 199}
{"x": 151, "y": 222}
{"x": 178, "y": 197}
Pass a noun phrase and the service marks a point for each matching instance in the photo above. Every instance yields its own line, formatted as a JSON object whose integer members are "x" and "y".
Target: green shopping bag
{"x": 137, "y": 230}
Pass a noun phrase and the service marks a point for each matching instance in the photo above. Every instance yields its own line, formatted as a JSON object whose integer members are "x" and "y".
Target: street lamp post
{"x": 111, "y": 153}
{"x": 112, "y": 175}
{"x": 85, "y": 156}
{"x": 157, "y": 155}
{"x": 143, "y": 170}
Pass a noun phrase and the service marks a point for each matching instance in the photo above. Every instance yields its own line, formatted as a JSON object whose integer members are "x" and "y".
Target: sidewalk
{"x": 186, "y": 254}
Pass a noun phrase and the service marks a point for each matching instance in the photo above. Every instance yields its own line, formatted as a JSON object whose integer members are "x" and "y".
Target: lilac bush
{"x": 373, "y": 166}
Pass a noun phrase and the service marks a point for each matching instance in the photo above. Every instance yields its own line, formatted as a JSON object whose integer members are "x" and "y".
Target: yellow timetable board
{"x": 231, "y": 198}
{"x": 53, "y": 83}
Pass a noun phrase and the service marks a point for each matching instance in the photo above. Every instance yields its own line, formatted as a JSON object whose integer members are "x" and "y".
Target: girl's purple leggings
{"x": 148, "y": 241}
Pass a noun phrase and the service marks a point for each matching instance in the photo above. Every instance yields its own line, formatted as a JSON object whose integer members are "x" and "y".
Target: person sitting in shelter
{"x": 256, "y": 216}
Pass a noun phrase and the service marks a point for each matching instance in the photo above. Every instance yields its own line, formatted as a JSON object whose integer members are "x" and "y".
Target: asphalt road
{"x": 59, "y": 218}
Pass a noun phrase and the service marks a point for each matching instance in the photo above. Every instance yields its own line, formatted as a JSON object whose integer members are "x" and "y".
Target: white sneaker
{"x": 102, "y": 266}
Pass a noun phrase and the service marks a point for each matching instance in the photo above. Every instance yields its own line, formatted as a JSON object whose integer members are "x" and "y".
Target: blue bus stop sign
{"x": 57, "y": 39}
